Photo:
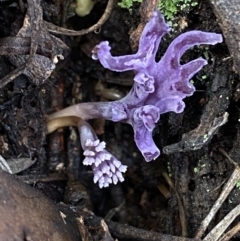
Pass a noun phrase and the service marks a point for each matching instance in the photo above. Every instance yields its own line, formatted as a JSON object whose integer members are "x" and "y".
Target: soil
{"x": 190, "y": 173}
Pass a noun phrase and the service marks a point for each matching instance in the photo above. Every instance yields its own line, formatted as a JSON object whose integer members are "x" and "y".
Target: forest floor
{"x": 199, "y": 147}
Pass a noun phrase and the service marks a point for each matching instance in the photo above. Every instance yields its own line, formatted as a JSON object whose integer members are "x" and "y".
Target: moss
{"x": 238, "y": 184}
{"x": 127, "y": 3}
{"x": 169, "y": 8}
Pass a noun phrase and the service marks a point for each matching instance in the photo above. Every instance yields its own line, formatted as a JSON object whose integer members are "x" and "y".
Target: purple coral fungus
{"x": 106, "y": 168}
{"x": 159, "y": 87}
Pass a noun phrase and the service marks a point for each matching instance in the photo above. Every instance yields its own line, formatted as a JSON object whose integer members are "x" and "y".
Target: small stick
{"x": 230, "y": 233}
{"x": 58, "y": 30}
{"x": 113, "y": 211}
{"x": 224, "y": 194}
{"x": 218, "y": 230}
{"x": 182, "y": 214}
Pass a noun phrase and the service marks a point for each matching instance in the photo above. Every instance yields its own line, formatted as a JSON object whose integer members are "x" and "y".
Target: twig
{"x": 182, "y": 215}
{"x": 218, "y": 230}
{"x": 126, "y": 232}
{"x": 32, "y": 179}
{"x": 230, "y": 233}
{"x": 58, "y": 30}
{"x": 224, "y": 194}
{"x": 14, "y": 74}
{"x": 113, "y": 211}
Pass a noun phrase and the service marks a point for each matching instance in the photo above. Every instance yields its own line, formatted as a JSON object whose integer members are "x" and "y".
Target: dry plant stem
{"x": 230, "y": 233}
{"x": 164, "y": 191}
{"x": 14, "y": 74}
{"x": 58, "y": 30}
{"x": 34, "y": 10}
{"x": 182, "y": 215}
{"x": 126, "y": 232}
{"x": 113, "y": 211}
{"x": 219, "y": 229}
{"x": 224, "y": 194}
{"x": 32, "y": 179}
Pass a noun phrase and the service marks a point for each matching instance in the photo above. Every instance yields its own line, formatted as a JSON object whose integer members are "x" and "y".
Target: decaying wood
{"x": 127, "y": 232}
{"x": 228, "y": 14}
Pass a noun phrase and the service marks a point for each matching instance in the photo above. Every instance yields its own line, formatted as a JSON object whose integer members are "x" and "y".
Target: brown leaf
{"x": 26, "y": 214}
